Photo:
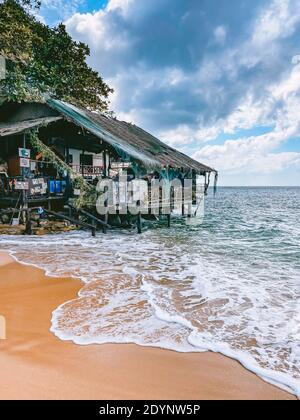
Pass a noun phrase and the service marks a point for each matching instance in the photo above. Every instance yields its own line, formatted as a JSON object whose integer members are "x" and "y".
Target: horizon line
{"x": 256, "y": 186}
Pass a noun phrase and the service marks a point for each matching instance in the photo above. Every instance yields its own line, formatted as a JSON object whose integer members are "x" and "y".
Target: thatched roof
{"x": 128, "y": 139}
{"x": 12, "y": 128}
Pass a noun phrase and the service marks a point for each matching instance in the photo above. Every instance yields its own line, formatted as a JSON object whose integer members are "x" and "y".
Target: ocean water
{"x": 230, "y": 285}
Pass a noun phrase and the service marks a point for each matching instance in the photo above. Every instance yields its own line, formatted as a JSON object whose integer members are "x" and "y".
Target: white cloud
{"x": 94, "y": 29}
{"x": 280, "y": 105}
{"x": 247, "y": 156}
{"x": 245, "y": 85}
{"x": 296, "y": 59}
{"x": 184, "y": 135}
{"x": 220, "y": 34}
{"x": 121, "y": 5}
{"x": 289, "y": 85}
{"x": 257, "y": 153}
{"x": 277, "y": 21}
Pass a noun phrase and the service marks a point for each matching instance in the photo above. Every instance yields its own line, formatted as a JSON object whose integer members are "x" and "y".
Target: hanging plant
{"x": 88, "y": 194}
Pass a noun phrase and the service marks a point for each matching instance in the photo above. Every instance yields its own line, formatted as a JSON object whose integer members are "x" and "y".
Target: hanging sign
{"x": 38, "y": 186}
{"x": 21, "y": 185}
{"x": 24, "y": 163}
{"x": 24, "y": 153}
{"x": 32, "y": 165}
{"x": 120, "y": 165}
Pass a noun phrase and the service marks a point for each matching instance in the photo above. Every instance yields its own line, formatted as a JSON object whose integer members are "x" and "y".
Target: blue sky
{"x": 217, "y": 79}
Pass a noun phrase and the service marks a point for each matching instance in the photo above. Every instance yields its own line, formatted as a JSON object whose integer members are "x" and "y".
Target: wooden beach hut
{"x": 45, "y": 146}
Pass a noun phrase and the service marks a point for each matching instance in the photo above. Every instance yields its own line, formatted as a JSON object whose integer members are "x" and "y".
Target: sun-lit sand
{"x": 34, "y": 364}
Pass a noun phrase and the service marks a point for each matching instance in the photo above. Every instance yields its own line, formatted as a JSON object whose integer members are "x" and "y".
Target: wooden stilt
{"x": 183, "y": 206}
{"x": 139, "y": 223}
{"x": 104, "y": 227}
{"x": 169, "y": 220}
{"x": 139, "y": 218}
{"x": 28, "y": 229}
{"x": 93, "y": 228}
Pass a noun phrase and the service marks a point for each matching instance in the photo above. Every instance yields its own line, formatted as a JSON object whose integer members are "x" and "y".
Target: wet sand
{"x": 34, "y": 364}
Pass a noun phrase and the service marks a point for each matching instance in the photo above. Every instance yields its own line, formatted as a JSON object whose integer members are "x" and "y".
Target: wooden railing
{"x": 87, "y": 170}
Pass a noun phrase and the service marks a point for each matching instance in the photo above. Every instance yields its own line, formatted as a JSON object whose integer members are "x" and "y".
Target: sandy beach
{"x": 35, "y": 364}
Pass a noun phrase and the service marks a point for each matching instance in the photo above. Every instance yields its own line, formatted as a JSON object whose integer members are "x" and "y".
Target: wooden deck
{"x": 48, "y": 202}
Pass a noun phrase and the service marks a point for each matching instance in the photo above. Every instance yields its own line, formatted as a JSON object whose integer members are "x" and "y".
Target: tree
{"x": 43, "y": 60}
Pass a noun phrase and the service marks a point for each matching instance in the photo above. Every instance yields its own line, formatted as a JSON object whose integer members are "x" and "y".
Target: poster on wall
{"x": 24, "y": 163}
{"x": 21, "y": 185}
{"x": 32, "y": 165}
{"x": 24, "y": 153}
{"x": 38, "y": 186}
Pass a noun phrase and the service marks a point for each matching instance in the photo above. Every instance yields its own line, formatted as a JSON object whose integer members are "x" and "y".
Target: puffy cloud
{"x": 120, "y": 5}
{"x": 279, "y": 20}
{"x": 191, "y": 74}
{"x": 258, "y": 153}
{"x": 220, "y": 34}
{"x": 248, "y": 156}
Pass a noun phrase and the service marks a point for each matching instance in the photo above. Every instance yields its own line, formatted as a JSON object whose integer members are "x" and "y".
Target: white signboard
{"x": 21, "y": 185}
{"x": 24, "y": 153}
{"x": 120, "y": 165}
{"x": 24, "y": 163}
{"x": 32, "y": 166}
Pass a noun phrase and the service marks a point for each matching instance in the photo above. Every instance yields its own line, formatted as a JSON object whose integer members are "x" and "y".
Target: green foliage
{"x": 88, "y": 193}
{"x": 43, "y": 60}
{"x": 48, "y": 154}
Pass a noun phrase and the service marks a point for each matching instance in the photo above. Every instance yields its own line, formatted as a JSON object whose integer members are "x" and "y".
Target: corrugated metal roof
{"x": 128, "y": 138}
{"x": 9, "y": 129}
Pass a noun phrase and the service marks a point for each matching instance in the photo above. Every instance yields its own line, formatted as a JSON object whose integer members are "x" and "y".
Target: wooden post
{"x": 171, "y": 194}
{"x": 82, "y": 166}
{"x": 93, "y": 229}
{"x": 139, "y": 223}
{"x": 104, "y": 163}
{"x": 169, "y": 220}
{"x": 67, "y": 154}
{"x": 28, "y": 229}
{"x": 182, "y": 198}
{"x": 104, "y": 227}
{"x": 68, "y": 180}
{"x": 139, "y": 219}
{"x": 24, "y": 198}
